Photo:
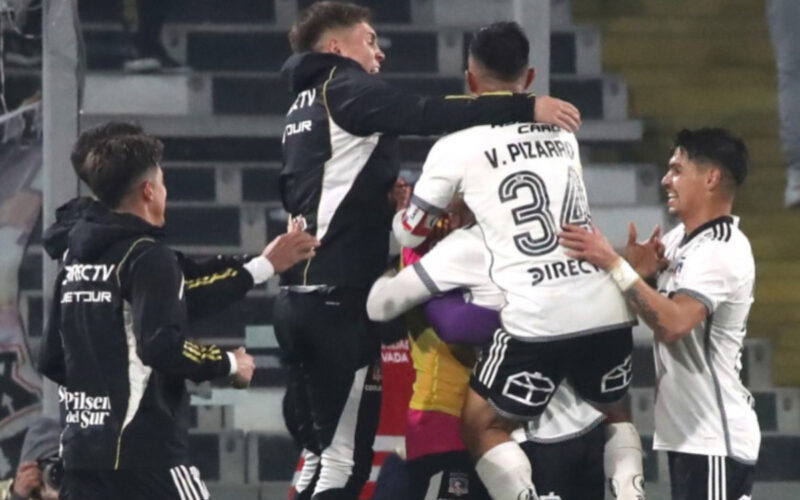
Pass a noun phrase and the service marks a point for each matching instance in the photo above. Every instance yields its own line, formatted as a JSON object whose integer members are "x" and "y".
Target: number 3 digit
{"x": 538, "y": 210}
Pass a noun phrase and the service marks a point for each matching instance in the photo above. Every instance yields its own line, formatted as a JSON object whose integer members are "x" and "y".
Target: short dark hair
{"x": 718, "y": 147}
{"x": 502, "y": 48}
{"x": 114, "y": 167}
{"x": 91, "y": 138}
{"x": 322, "y": 16}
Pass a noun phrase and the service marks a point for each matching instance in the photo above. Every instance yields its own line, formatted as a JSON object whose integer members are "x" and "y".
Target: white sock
{"x": 506, "y": 472}
{"x": 622, "y": 461}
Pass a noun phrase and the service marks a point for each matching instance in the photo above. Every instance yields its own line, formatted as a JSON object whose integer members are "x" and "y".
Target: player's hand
{"x": 290, "y": 248}
{"x": 551, "y": 110}
{"x": 646, "y": 258}
{"x": 27, "y": 480}
{"x": 295, "y": 224}
{"x": 441, "y": 229}
{"x": 587, "y": 245}
{"x": 245, "y": 366}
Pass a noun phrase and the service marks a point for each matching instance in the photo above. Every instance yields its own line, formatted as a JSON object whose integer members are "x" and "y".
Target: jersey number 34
{"x": 574, "y": 209}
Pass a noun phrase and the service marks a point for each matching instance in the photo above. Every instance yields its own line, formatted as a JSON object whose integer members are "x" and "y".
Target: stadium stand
{"x": 221, "y": 124}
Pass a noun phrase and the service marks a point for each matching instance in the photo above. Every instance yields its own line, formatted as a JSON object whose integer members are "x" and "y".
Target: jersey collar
{"x": 706, "y": 225}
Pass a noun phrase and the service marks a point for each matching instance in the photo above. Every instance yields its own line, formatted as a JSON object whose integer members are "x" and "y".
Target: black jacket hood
{"x": 56, "y": 238}
{"x": 305, "y": 69}
{"x": 88, "y": 228}
{"x": 93, "y": 235}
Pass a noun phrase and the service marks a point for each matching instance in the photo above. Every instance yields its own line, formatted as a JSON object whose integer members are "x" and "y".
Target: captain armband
{"x": 417, "y": 221}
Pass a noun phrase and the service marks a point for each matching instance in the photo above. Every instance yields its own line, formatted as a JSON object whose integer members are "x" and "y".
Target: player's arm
{"x": 412, "y": 226}
{"x": 216, "y": 283}
{"x": 52, "y": 363}
{"x": 456, "y": 320}
{"x": 670, "y": 318}
{"x": 154, "y": 291}
{"x": 363, "y": 104}
{"x": 441, "y": 177}
{"x": 395, "y": 293}
{"x": 213, "y": 284}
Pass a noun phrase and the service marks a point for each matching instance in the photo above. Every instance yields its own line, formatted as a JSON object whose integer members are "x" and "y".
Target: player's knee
{"x": 616, "y": 412}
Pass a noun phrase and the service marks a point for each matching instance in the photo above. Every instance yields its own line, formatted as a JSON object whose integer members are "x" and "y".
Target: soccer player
{"x": 562, "y": 319}
{"x": 116, "y": 343}
{"x": 212, "y": 284}
{"x": 340, "y": 159}
{"x": 566, "y": 439}
{"x": 704, "y": 416}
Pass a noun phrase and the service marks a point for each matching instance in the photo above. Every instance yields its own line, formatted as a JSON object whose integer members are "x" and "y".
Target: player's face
{"x": 360, "y": 43}
{"x": 684, "y": 183}
{"x": 158, "y": 205}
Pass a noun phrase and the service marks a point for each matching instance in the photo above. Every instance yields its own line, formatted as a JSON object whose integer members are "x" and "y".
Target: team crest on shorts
{"x": 618, "y": 378}
{"x": 531, "y": 389}
{"x": 458, "y": 484}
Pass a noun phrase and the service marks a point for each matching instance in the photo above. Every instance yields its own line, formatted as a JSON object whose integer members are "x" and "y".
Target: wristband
{"x": 234, "y": 364}
{"x": 260, "y": 268}
{"x": 623, "y": 274}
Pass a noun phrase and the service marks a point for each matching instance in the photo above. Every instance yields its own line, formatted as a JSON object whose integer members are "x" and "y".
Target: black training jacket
{"x": 115, "y": 343}
{"x": 212, "y": 283}
{"x": 340, "y": 158}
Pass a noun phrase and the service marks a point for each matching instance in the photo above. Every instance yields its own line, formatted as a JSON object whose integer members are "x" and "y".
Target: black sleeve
{"x": 154, "y": 288}
{"x": 213, "y": 284}
{"x": 52, "y": 363}
{"x": 363, "y": 104}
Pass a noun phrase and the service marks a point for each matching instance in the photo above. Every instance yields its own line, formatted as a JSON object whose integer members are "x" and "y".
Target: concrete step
{"x": 778, "y": 410}
{"x": 258, "y": 47}
{"x": 722, "y": 76}
{"x": 189, "y": 11}
{"x": 264, "y": 94}
{"x": 684, "y": 26}
{"x": 238, "y": 131}
{"x": 684, "y": 53}
{"x": 705, "y": 100}
{"x": 756, "y": 364}
{"x": 714, "y": 9}
{"x": 220, "y": 456}
{"x": 383, "y": 12}
{"x": 748, "y": 125}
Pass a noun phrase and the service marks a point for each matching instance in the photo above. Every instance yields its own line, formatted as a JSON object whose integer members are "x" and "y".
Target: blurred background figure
{"x": 784, "y": 17}
{"x": 40, "y": 470}
{"x": 144, "y": 19}
{"x": 21, "y": 28}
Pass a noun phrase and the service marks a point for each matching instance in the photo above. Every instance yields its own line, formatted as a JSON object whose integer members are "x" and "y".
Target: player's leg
{"x": 344, "y": 389}
{"x": 571, "y": 469}
{"x": 738, "y": 478}
{"x": 445, "y": 476}
{"x": 290, "y": 331}
{"x": 600, "y": 371}
{"x": 696, "y": 477}
{"x": 513, "y": 381}
{"x": 622, "y": 461}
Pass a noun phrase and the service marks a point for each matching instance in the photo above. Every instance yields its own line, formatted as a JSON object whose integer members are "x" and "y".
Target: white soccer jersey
{"x": 462, "y": 261}
{"x": 523, "y": 181}
{"x": 702, "y": 407}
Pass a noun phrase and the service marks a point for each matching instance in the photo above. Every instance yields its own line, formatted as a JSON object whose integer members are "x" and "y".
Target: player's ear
{"x": 530, "y": 75}
{"x": 713, "y": 178}
{"x": 147, "y": 190}
{"x": 472, "y": 81}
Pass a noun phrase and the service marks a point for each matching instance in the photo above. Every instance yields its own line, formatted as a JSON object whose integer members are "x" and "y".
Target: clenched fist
{"x": 245, "y": 366}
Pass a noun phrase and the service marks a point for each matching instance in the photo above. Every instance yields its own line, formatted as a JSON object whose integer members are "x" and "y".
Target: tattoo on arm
{"x": 648, "y": 314}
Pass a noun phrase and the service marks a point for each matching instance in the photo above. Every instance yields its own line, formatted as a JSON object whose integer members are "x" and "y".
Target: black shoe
{"x": 153, "y": 59}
